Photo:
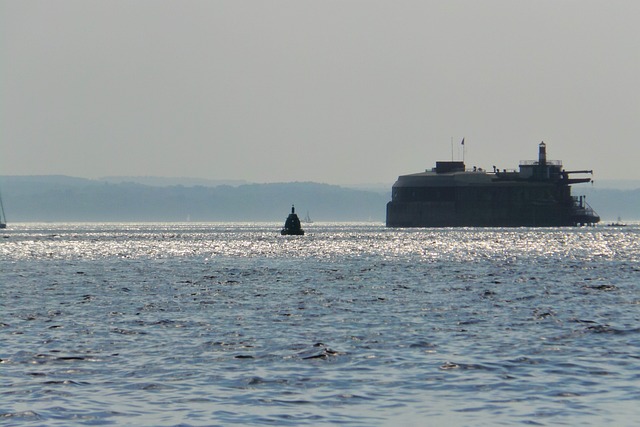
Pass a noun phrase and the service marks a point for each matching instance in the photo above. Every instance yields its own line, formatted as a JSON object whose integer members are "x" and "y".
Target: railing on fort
{"x": 582, "y": 207}
{"x": 536, "y": 162}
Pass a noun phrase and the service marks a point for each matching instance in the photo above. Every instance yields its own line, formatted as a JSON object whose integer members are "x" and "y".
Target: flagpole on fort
{"x": 463, "y": 149}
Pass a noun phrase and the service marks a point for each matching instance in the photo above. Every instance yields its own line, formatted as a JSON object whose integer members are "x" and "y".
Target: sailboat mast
{"x": 3, "y": 218}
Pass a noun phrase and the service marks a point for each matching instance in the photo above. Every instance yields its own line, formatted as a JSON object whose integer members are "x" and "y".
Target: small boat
{"x": 292, "y": 225}
{"x": 3, "y": 218}
{"x": 618, "y": 223}
{"x": 307, "y": 219}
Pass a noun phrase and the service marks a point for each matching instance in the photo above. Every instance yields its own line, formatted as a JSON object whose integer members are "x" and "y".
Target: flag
{"x": 462, "y": 143}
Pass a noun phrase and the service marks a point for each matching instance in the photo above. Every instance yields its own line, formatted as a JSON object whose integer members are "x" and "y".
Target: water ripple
{"x": 353, "y": 324}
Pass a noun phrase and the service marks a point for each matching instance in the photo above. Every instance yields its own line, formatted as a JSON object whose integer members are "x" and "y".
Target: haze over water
{"x": 351, "y": 324}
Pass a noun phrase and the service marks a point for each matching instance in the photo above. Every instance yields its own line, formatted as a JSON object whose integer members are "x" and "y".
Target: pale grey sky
{"x": 341, "y": 92}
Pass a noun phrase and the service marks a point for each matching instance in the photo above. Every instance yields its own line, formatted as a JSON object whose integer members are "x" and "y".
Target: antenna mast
{"x": 463, "y": 149}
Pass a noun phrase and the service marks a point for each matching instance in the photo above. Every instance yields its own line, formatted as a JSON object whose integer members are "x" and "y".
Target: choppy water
{"x": 352, "y": 324}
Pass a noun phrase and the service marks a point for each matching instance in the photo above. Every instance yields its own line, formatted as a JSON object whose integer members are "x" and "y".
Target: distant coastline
{"x": 64, "y": 198}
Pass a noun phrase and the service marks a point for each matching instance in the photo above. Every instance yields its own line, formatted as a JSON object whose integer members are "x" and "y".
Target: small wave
{"x": 63, "y": 382}
{"x": 422, "y": 344}
{"x": 70, "y": 358}
{"x": 606, "y": 329}
{"x": 21, "y": 415}
{"x": 127, "y": 332}
{"x": 606, "y": 287}
{"x": 321, "y": 351}
{"x": 465, "y": 366}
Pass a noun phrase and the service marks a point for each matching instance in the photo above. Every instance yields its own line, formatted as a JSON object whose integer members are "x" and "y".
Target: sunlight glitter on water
{"x": 356, "y": 324}
{"x": 73, "y": 241}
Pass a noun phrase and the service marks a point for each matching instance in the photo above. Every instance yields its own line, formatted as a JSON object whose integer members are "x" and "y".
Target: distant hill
{"x": 611, "y": 203}
{"x": 62, "y": 198}
{"x": 160, "y": 181}
{"x": 618, "y": 184}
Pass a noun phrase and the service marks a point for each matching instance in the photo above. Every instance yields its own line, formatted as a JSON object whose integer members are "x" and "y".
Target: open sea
{"x": 231, "y": 324}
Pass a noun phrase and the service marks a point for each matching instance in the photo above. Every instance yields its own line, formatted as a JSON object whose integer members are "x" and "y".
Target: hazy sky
{"x": 340, "y": 92}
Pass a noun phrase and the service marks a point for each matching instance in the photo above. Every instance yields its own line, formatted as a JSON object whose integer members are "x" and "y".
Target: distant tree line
{"x": 55, "y": 198}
